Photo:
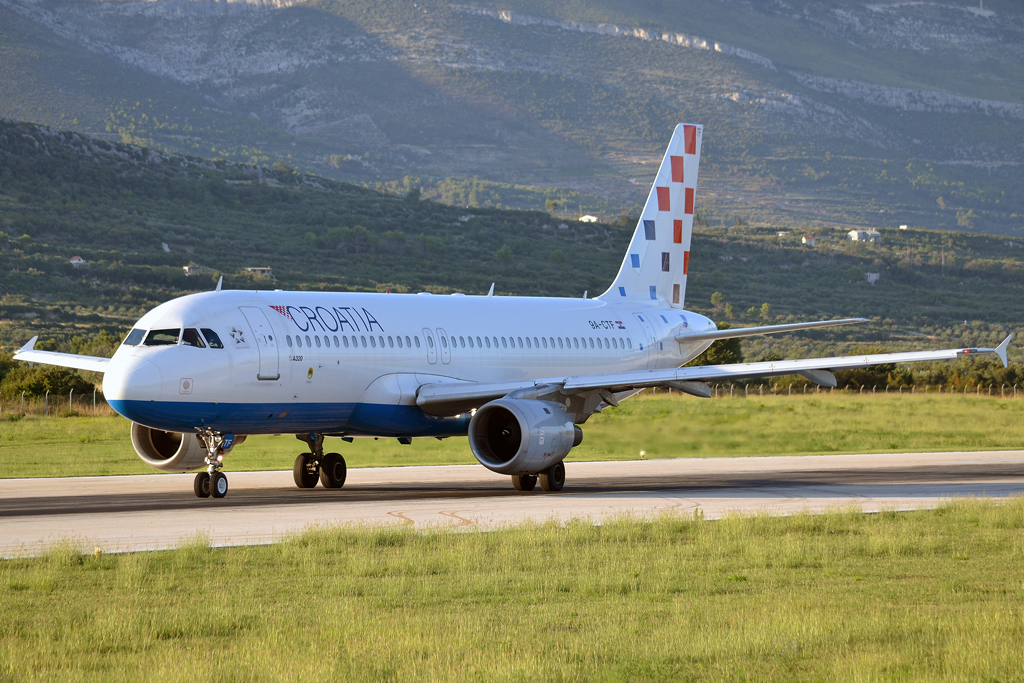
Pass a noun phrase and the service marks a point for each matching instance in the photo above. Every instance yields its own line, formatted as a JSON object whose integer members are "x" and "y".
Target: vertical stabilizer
{"x": 656, "y": 265}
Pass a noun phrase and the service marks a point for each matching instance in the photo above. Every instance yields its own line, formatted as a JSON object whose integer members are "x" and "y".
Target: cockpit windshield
{"x": 190, "y": 337}
{"x": 134, "y": 337}
{"x": 212, "y": 339}
{"x": 162, "y": 337}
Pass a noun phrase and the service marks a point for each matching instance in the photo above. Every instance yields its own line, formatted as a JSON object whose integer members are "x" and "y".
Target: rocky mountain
{"x": 830, "y": 112}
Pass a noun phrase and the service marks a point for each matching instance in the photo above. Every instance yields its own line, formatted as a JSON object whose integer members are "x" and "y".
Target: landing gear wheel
{"x": 201, "y": 485}
{"x": 553, "y": 478}
{"x": 333, "y": 471}
{"x": 305, "y": 471}
{"x": 524, "y": 482}
{"x": 218, "y": 485}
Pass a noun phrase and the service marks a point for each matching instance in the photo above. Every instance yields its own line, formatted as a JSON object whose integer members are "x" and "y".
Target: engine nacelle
{"x": 168, "y": 451}
{"x": 522, "y": 436}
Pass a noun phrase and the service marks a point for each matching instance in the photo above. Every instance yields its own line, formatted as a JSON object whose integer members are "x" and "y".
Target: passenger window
{"x": 336, "y": 344}
{"x": 430, "y": 342}
{"x": 345, "y": 339}
{"x": 630, "y": 342}
{"x": 327, "y": 341}
{"x": 373, "y": 342}
{"x": 488, "y": 340}
{"x": 444, "y": 341}
{"x": 317, "y": 338}
{"x": 134, "y": 337}
{"x": 552, "y": 342}
{"x": 478, "y": 344}
{"x": 559, "y": 342}
{"x": 470, "y": 342}
{"x": 190, "y": 337}
{"x": 381, "y": 340}
{"x": 615, "y": 344}
{"x": 364, "y": 340}
{"x": 568, "y": 343}
{"x": 162, "y": 337}
{"x": 391, "y": 342}
{"x": 462, "y": 342}
{"x": 399, "y": 339}
{"x": 504, "y": 344}
{"x": 309, "y": 344}
{"x": 408, "y": 342}
{"x": 591, "y": 342}
{"x": 536, "y": 343}
{"x": 495, "y": 342}
{"x": 298, "y": 341}
{"x": 355, "y": 342}
{"x": 288, "y": 340}
{"x": 528, "y": 343}
{"x": 576, "y": 342}
{"x": 417, "y": 340}
{"x": 520, "y": 342}
{"x": 545, "y": 340}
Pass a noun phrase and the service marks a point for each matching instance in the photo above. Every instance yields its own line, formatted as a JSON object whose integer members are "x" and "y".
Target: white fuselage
{"x": 350, "y": 363}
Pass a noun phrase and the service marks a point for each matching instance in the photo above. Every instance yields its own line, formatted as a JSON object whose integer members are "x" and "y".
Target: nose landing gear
{"x": 213, "y": 482}
{"x": 329, "y": 469}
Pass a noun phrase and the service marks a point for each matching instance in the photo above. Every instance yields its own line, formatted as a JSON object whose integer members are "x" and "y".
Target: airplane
{"x": 518, "y": 375}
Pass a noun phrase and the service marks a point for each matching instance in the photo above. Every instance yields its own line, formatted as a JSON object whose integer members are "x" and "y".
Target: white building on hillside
{"x": 865, "y": 236}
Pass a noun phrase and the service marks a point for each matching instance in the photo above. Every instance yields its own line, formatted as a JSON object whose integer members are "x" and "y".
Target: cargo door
{"x": 266, "y": 344}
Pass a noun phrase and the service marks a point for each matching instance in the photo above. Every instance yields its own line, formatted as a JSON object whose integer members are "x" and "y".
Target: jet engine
{"x": 168, "y": 451}
{"x": 522, "y": 436}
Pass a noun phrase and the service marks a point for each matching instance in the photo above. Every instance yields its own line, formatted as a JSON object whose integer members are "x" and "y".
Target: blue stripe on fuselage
{"x": 362, "y": 419}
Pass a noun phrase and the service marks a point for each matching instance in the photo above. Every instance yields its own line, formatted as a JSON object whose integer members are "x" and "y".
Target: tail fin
{"x": 658, "y": 259}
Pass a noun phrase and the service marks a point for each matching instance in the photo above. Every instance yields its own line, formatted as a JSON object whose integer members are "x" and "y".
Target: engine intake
{"x": 522, "y": 436}
{"x": 168, "y": 451}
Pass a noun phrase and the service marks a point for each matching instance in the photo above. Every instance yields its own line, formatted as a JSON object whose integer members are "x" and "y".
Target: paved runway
{"x": 160, "y": 510}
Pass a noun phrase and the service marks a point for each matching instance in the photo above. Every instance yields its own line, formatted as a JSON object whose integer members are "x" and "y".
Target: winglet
{"x": 490, "y": 292}
{"x": 29, "y": 346}
{"x": 1001, "y": 349}
{"x": 220, "y": 281}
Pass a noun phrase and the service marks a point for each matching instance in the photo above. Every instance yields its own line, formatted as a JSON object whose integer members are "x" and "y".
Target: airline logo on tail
{"x": 658, "y": 261}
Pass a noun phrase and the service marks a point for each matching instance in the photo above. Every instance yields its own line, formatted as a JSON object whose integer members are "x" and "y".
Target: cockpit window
{"x": 212, "y": 339}
{"x": 134, "y": 337}
{"x": 162, "y": 337}
{"x": 190, "y": 337}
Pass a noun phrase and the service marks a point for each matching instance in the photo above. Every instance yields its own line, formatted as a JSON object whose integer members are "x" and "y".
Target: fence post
{"x": 70, "y": 394}
{"x": 47, "y": 400}
{"x": 805, "y": 390}
{"x": 1002, "y": 391}
{"x": 94, "y": 398}
{"x": 23, "y": 403}
{"x": 790, "y": 389}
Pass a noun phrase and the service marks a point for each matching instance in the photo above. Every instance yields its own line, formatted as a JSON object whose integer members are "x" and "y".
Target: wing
{"x": 458, "y": 397}
{"x": 67, "y": 360}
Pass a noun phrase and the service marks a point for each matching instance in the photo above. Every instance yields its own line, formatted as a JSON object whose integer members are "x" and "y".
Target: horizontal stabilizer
{"x": 65, "y": 360}
{"x": 737, "y": 332}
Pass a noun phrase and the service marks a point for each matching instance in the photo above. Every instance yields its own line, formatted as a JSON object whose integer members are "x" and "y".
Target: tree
{"x": 766, "y": 311}
{"x": 551, "y": 205}
{"x": 730, "y": 311}
{"x": 717, "y": 300}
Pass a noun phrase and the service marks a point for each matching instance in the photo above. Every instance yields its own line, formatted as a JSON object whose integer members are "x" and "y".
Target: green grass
{"x": 842, "y": 596}
{"x": 661, "y": 425}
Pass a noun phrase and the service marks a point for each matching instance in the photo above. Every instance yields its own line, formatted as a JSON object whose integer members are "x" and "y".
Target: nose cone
{"x": 132, "y": 380}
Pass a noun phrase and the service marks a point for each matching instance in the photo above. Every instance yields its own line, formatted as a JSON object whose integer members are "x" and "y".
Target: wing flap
{"x": 67, "y": 360}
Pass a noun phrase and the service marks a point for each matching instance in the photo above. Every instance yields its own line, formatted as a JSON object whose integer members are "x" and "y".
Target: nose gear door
{"x": 446, "y": 353}
{"x": 428, "y": 339}
{"x": 649, "y": 337}
{"x": 266, "y": 345}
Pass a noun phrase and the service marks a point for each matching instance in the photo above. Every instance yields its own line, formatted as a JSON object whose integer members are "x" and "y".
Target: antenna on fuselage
{"x": 220, "y": 281}
{"x": 490, "y": 292}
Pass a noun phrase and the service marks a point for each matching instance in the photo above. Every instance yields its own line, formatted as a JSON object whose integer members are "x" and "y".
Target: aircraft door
{"x": 428, "y": 339}
{"x": 266, "y": 345}
{"x": 446, "y": 352}
{"x": 649, "y": 338}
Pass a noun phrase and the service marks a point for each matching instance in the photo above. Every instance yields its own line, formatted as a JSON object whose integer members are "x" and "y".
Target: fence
{"x": 57, "y": 405}
{"x": 746, "y": 390}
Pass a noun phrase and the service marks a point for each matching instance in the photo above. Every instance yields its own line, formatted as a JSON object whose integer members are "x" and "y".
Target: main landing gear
{"x": 327, "y": 468}
{"x": 213, "y": 482}
{"x": 551, "y": 479}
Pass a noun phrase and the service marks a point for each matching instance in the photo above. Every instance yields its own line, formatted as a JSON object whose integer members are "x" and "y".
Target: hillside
{"x": 137, "y": 216}
{"x": 831, "y": 113}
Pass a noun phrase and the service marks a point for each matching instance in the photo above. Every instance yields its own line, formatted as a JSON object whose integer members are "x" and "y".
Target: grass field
{"x": 929, "y": 595}
{"x": 661, "y": 425}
